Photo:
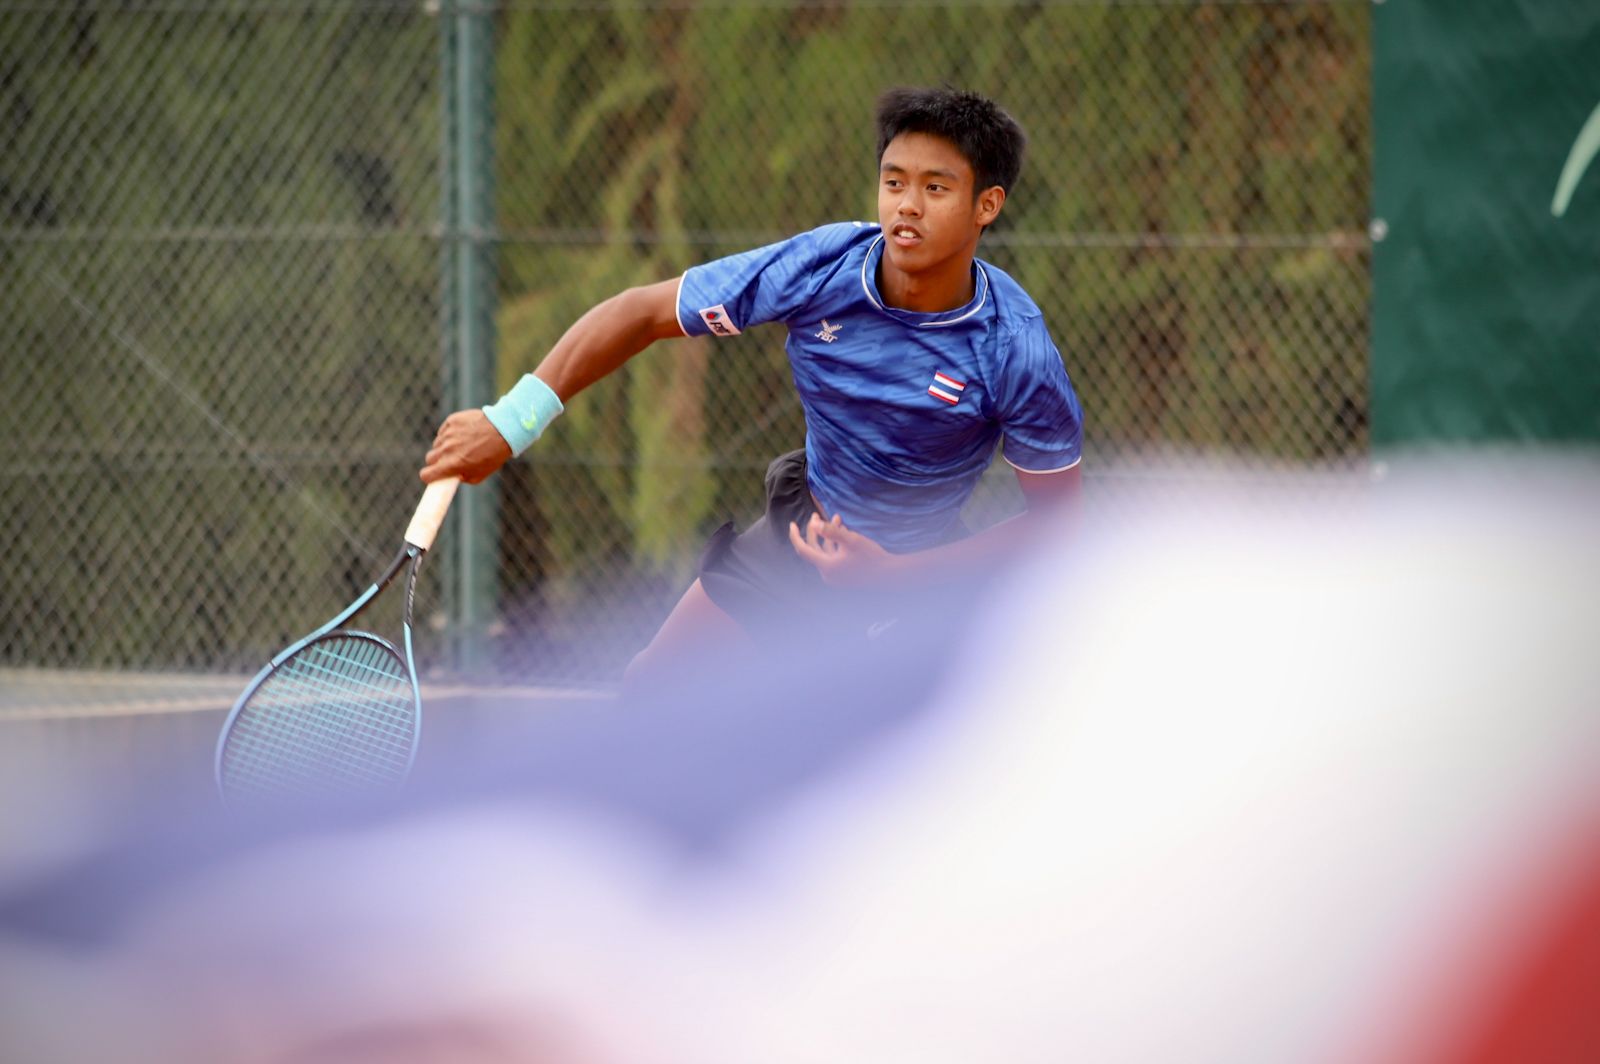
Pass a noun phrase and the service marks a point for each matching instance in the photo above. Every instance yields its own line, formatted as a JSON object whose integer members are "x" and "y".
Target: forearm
{"x": 606, "y": 337}
{"x": 844, "y": 556}
{"x": 965, "y": 556}
{"x": 472, "y": 444}
{"x": 1053, "y": 501}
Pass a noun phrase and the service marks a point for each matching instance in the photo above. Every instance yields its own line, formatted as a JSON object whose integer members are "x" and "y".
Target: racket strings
{"x": 337, "y": 716}
{"x": 314, "y": 756}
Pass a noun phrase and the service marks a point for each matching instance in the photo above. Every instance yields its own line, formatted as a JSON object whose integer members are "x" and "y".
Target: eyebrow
{"x": 888, "y": 168}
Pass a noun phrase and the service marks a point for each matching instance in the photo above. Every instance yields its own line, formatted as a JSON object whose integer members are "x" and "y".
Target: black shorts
{"x": 756, "y": 578}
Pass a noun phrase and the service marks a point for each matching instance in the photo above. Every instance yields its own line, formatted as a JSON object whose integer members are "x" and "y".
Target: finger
{"x": 817, "y": 533}
{"x": 844, "y": 537}
{"x": 804, "y": 549}
{"x": 440, "y": 462}
{"x": 822, "y": 543}
{"x": 798, "y": 542}
{"x": 835, "y": 535}
{"x": 803, "y": 541}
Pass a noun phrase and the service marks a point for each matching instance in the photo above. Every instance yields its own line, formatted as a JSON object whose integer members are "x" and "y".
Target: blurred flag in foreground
{"x": 1299, "y": 769}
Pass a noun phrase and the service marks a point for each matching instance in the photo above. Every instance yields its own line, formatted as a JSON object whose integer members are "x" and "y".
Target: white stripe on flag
{"x": 948, "y": 382}
{"x": 935, "y": 390}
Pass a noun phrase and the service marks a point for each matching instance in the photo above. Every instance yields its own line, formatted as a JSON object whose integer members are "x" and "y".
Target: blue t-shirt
{"x": 903, "y": 409}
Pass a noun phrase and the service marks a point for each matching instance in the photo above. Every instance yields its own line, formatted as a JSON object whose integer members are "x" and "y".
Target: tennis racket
{"x": 338, "y": 712}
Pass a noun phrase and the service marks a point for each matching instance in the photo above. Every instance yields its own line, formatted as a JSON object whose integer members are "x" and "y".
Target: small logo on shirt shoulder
{"x": 946, "y": 388}
{"x": 829, "y": 333}
{"x": 716, "y": 319}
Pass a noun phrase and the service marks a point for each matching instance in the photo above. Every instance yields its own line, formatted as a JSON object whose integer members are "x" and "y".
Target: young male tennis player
{"x": 912, "y": 359}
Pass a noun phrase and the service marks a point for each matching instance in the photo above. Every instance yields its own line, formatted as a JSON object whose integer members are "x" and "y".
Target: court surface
{"x": 82, "y": 750}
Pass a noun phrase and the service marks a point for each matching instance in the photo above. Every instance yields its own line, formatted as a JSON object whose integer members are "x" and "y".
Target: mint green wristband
{"x": 524, "y": 412}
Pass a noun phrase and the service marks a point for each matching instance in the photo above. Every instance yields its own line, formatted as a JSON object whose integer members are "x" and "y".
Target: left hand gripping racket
{"x": 339, "y": 711}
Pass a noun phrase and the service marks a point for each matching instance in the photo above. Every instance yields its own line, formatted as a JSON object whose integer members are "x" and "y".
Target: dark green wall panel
{"x": 1486, "y": 316}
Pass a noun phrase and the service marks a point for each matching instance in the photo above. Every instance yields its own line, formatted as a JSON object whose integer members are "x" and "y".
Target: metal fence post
{"x": 467, "y": 313}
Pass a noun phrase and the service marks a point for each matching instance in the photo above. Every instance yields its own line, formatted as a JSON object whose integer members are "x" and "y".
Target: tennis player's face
{"x": 930, "y": 212}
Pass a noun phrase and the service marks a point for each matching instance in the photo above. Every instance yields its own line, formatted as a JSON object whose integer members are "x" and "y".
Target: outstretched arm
{"x": 470, "y": 447}
{"x": 846, "y": 557}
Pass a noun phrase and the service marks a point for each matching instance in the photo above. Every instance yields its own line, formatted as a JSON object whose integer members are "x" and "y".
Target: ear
{"x": 990, "y": 200}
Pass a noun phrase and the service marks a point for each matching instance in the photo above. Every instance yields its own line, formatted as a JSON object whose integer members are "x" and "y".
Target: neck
{"x": 946, "y": 288}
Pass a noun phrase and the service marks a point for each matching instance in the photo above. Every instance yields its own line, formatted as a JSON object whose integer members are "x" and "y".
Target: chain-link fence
{"x": 251, "y": 251}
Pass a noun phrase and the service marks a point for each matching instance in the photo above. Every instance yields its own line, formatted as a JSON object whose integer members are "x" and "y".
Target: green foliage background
{"x": 222, "y": 262}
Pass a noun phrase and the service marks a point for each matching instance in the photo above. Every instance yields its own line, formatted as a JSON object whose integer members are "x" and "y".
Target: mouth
{"x": 904, "y": 235}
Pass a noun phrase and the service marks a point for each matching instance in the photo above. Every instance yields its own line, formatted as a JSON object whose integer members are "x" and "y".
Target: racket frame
{"x": 419, "y": 537}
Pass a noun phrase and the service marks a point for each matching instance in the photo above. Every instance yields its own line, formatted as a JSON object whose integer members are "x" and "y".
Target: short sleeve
{"x": 1041, "y": 423}
{"x": 771, "y": 283}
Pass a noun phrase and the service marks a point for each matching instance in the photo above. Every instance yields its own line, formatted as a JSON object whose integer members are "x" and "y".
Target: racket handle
{"x": 430, "y": 512}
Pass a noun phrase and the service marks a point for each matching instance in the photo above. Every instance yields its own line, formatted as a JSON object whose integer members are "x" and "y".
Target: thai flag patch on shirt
{"x": 947, "y": 388}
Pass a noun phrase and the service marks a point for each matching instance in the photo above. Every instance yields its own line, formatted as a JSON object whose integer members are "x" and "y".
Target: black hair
{"x": 989, "y": 138}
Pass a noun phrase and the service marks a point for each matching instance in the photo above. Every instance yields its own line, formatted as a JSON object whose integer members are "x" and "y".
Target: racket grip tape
{"x": 430, "y": 512}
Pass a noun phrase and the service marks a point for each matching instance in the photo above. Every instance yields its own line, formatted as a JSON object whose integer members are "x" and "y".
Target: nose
{"x": 910, "y": 204}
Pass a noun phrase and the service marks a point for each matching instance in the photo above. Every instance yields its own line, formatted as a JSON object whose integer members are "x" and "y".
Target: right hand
{"x": 468, "y": 446}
